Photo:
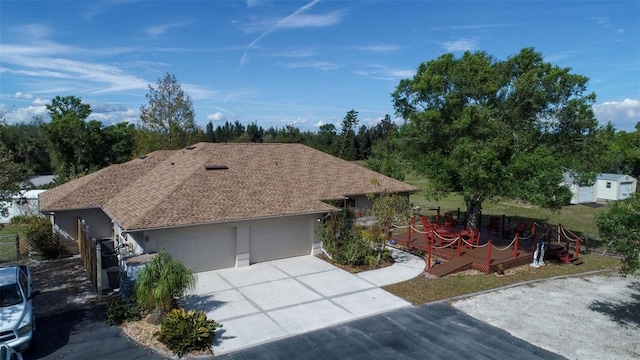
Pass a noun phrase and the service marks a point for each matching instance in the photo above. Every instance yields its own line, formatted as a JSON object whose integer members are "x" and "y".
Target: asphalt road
{"x": 435, "y": 331}
{"x": 429, "y": 332}
{"x": 84, "y": 335}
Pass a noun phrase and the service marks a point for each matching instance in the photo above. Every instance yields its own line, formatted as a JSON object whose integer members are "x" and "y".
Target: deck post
{"x": 489, "y": 245}
{"x": 515, "y": 248}
{"x": 409, "y": 232}
{"x": 429, "y": 246}
{"x": 577, "y": 252}
{"x": 459, "y": 244}
{"x": 559, "y": 231}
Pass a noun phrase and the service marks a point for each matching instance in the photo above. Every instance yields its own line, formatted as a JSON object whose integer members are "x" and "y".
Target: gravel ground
{"x": 587, "y": 317}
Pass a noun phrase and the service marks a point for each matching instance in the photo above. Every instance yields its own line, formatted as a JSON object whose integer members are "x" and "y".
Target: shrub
{"x": 184, "y": 331}
{"x": 42, "y": 239}
{"x": 162, "y": 281}
{"x": 119, "y": 312}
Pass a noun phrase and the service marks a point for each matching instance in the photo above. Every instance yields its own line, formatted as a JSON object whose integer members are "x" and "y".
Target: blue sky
{"x": 303, "y": 63}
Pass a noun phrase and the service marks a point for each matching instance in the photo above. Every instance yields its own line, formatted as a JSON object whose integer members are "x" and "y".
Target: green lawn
{"x": 422, "y": 290}
{"x": 7, "y": 241}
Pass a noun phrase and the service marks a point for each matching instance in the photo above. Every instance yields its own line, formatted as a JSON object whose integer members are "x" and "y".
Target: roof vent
{"x": 190, "y": 147}
{"x": 216, "y": 167}
{"x": 143, "y": 157}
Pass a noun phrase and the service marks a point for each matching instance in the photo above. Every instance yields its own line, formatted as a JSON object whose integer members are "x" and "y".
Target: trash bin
{"x": 109, "y": 259}
{"x": 112, "y": 275}
{"x": 126, "y": 287}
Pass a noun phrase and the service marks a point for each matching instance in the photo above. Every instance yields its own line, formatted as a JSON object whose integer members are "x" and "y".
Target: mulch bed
{"x": 360, "y": 268}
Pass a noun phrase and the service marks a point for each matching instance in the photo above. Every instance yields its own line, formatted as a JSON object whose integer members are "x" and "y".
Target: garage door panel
{"x": 280, "y": 239}
{"x": 202, "y": 249}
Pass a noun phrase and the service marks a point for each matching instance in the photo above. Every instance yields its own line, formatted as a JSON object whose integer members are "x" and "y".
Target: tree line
{"x": 482, "y": 127}
{"x": 72, "y": 144}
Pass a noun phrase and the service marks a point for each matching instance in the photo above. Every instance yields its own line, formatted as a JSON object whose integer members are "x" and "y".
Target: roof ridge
{"x": 142, "y": 179}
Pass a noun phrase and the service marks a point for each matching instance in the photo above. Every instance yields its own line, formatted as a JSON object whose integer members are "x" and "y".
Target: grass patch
{"x": 422, "y": 290}
{"x": 7, "y": 240}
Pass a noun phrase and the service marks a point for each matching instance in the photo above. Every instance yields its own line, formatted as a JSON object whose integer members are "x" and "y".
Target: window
{"x": 608, "y": 184}
{"x": 10, "y": 295}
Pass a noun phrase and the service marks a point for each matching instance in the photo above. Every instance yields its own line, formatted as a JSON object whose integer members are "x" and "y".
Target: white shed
{"x": 580, "y": 194}
{"x": 615, "y": 186}
{"x": 30, "y": 207}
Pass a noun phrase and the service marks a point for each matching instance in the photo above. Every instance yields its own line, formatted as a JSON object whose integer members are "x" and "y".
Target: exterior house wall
{"x": 98, "y": 223}
{"x": 192, "y": 241}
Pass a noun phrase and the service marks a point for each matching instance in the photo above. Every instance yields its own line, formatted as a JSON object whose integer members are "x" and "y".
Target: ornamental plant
{"x": 185, "y": 331}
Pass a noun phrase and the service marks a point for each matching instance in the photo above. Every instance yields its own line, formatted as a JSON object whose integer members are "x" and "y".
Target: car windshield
{"x": 10, "y": 295}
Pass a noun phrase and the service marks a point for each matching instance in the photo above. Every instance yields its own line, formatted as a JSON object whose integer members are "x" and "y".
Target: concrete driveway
{"x": 277, "y": 299}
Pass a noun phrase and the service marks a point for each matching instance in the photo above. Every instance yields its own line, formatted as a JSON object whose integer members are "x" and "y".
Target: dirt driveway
{"x": 586, "y": 317}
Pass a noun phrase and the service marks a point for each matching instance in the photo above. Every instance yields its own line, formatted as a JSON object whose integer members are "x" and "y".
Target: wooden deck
{"x": 475, "y": 258}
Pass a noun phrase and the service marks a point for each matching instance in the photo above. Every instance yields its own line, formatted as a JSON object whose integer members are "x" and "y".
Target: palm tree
{"x": 162, "y": 281}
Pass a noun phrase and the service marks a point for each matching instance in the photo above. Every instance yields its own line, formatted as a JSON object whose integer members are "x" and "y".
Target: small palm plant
{"x": 162, "y": 281}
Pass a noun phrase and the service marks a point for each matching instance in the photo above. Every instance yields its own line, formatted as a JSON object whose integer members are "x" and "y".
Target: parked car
{"x": 17, "y": 313}
{"x": 7, "y": 353}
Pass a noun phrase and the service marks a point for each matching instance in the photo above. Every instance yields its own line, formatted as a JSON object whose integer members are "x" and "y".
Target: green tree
{"x": 619, "y": 151}
{"x": 24, "y": 141}
{"x": 11, "y": 176}
{"x": 78, "y": 146}
{"x": 326, "y": 139}
{"x": 348, "y": 147}
{"x": 619, "y": 226}
{"x": 481, "y": 127}
{"x": 168, "y": 121}
{"x": 162, "y": 281}
{"x": 66, "y": 136}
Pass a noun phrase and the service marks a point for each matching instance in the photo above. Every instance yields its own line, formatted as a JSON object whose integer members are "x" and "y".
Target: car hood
{"x": 11, "y": 316}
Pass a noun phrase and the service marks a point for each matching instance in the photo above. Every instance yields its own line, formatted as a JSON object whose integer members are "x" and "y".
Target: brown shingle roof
{"x": 172, "y": 188}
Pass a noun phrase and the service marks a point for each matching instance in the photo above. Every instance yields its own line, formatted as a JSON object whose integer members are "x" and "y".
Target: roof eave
{"x": 232, "y": 220}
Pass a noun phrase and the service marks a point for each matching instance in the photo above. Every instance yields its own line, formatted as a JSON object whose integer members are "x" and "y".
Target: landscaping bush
{"x": 353, "y": 249}
{"x": 42, "y": 238}
{"x": 119, "y": 312}
{"x": 184, "y": 331}
{"x": 162, "y": 281}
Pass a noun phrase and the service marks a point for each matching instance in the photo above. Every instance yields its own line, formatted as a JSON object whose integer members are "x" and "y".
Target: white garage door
{"x": 202, "y": 248}
{"x": 279, "y": 239}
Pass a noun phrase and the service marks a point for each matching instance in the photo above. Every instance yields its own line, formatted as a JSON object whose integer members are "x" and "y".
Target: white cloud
{"x": 624, "y": 115}
{"x": 382, "y": 72}
{"x": 110, "y": 78}
{"x": 21, "y": 95}
{"x": 39, "y": 102}
{"x": 294, "y": 20}
{"x": 294, "y": 122}
{"x": 459, "y": 45}
{"x": 197, "y": 92}
{"x": 253, "y": 3}
{"x": 161, "y": 29}
{"x": 22, "y": 115}
{"x": 379, "y": 48}
{"x": 318, "y": 20}
{"x": 217, "y": 116}
{"x": 321, "y": 65}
